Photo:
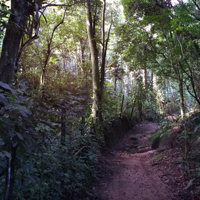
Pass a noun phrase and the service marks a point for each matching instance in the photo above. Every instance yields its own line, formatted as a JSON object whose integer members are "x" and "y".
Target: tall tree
{"x": 165, "y": 38}
{"x": 93, "y": 11}
{"x": 16, "y": 26}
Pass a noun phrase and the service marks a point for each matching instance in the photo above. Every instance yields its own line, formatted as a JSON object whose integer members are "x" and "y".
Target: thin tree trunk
{"x": 104, "y": 45}
{"x": 151, "y": 89}
{"x": 145, "y": 79}
{"x": 63, "y": 127}
{"x": 10, "y": 177}
{"x": 115, "y": 84}
{"x": 122, "y": 106}
{"x": 182, "y": 104}
{"x": 82, "y": 45}
{"x": 49, "y": 49}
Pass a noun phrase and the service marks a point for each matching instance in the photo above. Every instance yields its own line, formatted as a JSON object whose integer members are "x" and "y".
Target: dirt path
{"x": 129, "y": 173}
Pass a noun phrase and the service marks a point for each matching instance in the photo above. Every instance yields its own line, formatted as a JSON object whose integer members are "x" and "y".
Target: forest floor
{"x": 131, "y": 170}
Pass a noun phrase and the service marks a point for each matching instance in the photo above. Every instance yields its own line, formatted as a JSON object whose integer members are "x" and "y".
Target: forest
{"x": 75, "y": 75}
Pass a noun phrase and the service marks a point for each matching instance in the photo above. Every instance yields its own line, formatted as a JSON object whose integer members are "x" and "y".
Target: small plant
{"x": 189, "y": 145}
{"x": 157, "y": 157}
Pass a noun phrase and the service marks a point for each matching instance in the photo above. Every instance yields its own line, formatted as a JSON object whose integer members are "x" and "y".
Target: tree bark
{"x": 182, "y": 104}
{"x": 104, "y": 45}
{"x": 145, "y": 79}
{"x": 17, "y": 21}
{"x": 94, "y": 59}
{"x": 63, "y": 127}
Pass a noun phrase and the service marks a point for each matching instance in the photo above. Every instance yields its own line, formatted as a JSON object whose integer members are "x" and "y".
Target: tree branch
{"x": 61, "y": 5}
{"x": 189, "y": 11}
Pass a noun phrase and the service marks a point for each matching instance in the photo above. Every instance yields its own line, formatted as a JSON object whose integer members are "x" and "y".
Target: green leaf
{"x": 23, "y": 110}
{"x": 2, "y": 163}
{"x": 2, "y": 155}
{"x": 19, "y": 136}
{"x": 51, "y": 124}
{"x": 5, "y": 86}
{"x": 23, "y": 114}
{"x": 196, "y": 128}
{"x": 29, "y": 103}
{"x": 7, "y": 154}
{"x": 11, "y": 133}
{"x": 3, "y": 98}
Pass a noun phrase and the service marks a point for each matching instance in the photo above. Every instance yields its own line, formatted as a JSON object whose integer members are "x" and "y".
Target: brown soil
{"x": 131, "y": 170}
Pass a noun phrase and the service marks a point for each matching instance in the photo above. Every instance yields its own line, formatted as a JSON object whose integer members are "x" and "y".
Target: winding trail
{"x": 128, "y": 173}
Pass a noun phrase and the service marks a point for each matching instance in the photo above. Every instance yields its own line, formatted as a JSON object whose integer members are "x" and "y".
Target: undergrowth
{"x": 49, "y": 149}
{"x": 35, "y": 162}
{"x": 185, "y": 137}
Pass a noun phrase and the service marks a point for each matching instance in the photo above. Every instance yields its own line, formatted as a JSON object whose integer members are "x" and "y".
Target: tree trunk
{"x": 182, "y": 104}
{"x": 104, "y": 45}
{"x": 63, "y": 126}
{"x": 17, "y": 21}
{"x": 151, "y": 89}
{"x": 42, "y": 77}
{"x": 10, "y": 176}
{"x": 84, "y": 66}
{"x": 94, "y": 59}
{"x": 145, "y": 79}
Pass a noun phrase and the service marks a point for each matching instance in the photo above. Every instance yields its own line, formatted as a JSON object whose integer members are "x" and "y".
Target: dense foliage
{"x": 70, "y": 69}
